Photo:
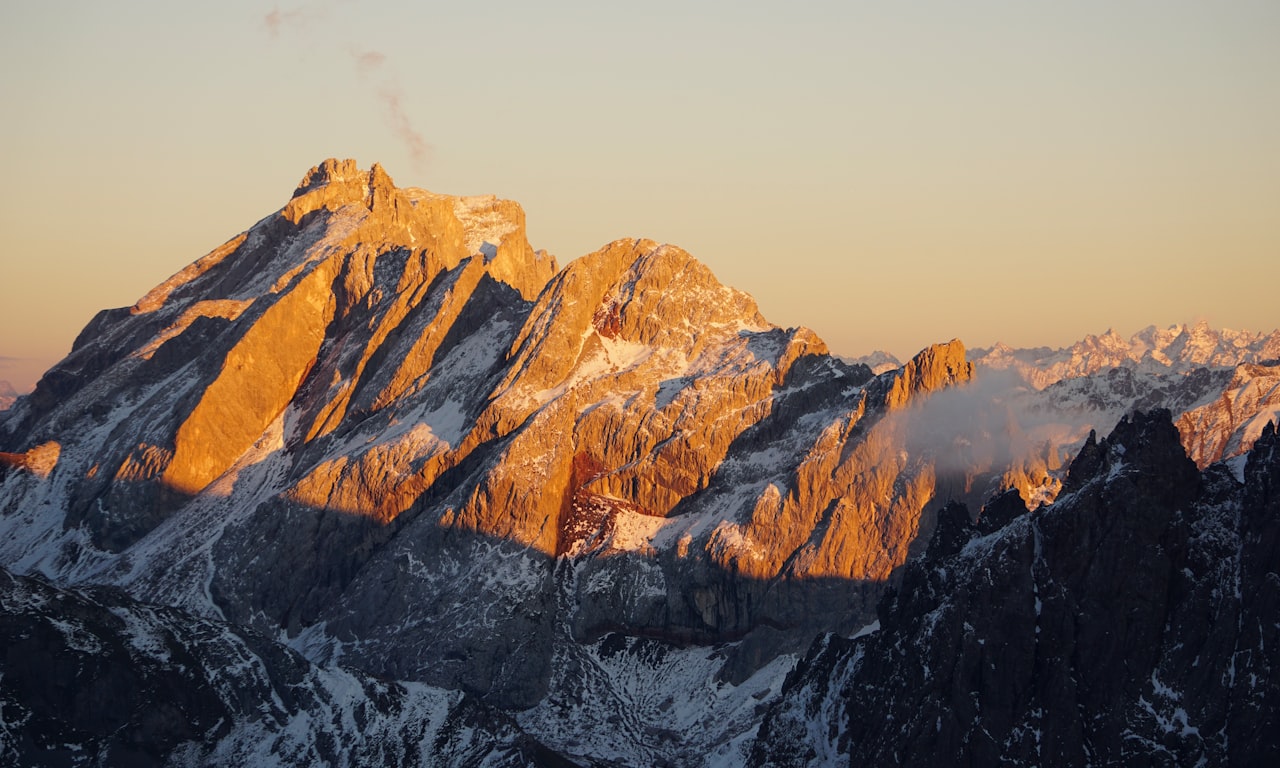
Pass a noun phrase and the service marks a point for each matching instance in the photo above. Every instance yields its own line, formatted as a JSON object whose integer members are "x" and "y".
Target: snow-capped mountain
{"x": 380, "y": 428}
{"x": 1178, "y": 349}
{"x": 879, "y": 361}
{"x": 602, "y": 508}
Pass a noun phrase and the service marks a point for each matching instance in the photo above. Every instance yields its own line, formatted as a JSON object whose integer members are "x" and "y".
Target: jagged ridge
{"x": 1127, "y": 623}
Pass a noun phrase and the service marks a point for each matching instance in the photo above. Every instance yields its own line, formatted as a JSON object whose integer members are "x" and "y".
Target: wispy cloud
{"x": 367, "y": 62}
{"x": 994, "y": 422}
{"x": 418, "y": 148}
{"x": 298, "y": 18}
{"x": 370, "y": 65}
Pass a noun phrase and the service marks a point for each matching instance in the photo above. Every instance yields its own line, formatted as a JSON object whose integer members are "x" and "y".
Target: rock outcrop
{"x": 39, "y": 460}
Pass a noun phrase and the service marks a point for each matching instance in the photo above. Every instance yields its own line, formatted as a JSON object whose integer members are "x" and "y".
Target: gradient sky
{"x": 889, "y": 174}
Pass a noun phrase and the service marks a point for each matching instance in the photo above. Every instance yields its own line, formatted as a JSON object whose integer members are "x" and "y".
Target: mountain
{"x": 1128, "y": 623}
{"x": 1231, "y": 424}
{"x": 380, "y": 428}
{"x": 1219, "y": 412}
{"x": 596, "y": 512}
{"x": 879, "y": 361}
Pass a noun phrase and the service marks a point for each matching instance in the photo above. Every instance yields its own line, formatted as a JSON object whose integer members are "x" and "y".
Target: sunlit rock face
{"x": 1229, "y": 425}
{"x": 377, "y": 420}
{"x": 38, "y": 460}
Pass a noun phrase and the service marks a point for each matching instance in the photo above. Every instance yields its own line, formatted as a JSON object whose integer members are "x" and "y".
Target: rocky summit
{"x": 377, "y": 482}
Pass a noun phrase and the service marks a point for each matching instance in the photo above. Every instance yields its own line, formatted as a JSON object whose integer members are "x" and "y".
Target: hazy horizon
{"x": 888, "y": 176}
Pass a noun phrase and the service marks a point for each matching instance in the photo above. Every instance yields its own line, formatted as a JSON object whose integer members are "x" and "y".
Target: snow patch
{"x": 870, "y": 629}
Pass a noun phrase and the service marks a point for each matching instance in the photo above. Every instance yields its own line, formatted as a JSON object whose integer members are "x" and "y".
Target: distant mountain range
{"x": 419, "y": 495}
{"x": 7, "y": 395}
{"x": 1177, "y": 349}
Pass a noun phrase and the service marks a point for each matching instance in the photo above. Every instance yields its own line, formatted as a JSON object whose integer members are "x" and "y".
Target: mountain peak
{"x": 331, "y": 171}
{"x": 335, "y": 183}
{"x": 933, "y": 368}
{"x": 378, "y": 176}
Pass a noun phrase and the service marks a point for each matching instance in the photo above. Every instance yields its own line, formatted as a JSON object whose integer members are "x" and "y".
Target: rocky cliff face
{"x": 1127, "y": 623}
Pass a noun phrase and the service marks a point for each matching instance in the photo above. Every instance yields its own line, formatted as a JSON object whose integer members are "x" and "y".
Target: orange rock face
{"x": 936, "y": 367}
{"x": 259, "y": 377}
{"x": 39, "y": 461}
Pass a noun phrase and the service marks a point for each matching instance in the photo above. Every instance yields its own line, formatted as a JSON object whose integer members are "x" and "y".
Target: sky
{"x": 888, "y": 174}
